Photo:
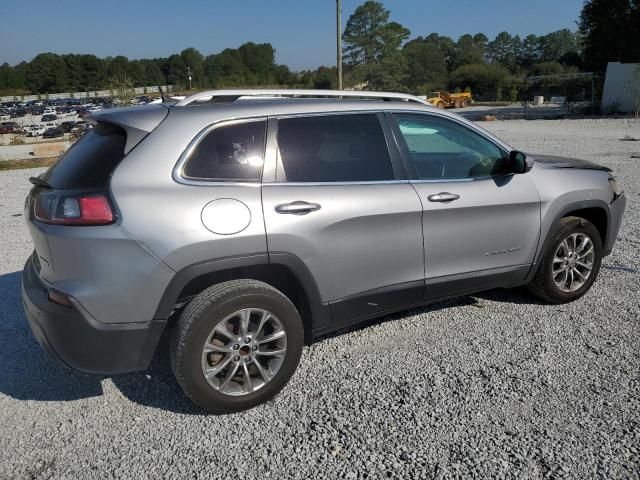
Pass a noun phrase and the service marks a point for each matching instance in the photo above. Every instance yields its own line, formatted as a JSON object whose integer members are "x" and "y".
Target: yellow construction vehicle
{"x": 449, "y": 100}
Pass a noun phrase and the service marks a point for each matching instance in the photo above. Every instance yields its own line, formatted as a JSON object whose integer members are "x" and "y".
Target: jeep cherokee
{"x": 247, "y": 222}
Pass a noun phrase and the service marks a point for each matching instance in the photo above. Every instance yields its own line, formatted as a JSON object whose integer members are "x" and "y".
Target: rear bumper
{"x": 78, "y": 341}
{"x": 616, "y": 210}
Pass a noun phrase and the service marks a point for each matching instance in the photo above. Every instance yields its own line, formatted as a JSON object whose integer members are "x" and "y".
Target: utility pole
{"x": 339, "y": 41}
{"x": 189, "y": 73}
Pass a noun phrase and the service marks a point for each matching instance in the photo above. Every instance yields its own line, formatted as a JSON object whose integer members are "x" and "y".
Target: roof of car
{"x": 196, "y": 115}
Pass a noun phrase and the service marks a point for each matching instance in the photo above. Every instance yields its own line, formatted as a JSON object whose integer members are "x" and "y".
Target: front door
{"x": 479, "y": 224}
{"x": 340, "y": 206}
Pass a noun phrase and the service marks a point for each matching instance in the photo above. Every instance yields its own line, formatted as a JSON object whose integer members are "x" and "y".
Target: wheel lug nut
{"x": 255, "y": 347}
{"x": 236, "y": 346}
{"x": 236, "y": 358}
{"x": 247, "y": 340}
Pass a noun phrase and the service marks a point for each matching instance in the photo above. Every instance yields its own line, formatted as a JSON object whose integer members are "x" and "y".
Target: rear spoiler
{"x": 138, "y": 121}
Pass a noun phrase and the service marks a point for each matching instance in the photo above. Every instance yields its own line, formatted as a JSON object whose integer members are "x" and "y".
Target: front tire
{"x": 236, "y": 345}
{"x": 570, "y": 263}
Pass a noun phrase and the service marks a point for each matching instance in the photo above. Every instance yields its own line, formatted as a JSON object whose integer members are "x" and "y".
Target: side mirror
{"x": 519, "y": 162}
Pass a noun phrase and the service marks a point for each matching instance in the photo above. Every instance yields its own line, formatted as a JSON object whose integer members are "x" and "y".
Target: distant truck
{"x": 449, "y": 100}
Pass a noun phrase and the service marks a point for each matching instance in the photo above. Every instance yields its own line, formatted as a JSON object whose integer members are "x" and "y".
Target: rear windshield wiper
{"x": 40, "y": 182}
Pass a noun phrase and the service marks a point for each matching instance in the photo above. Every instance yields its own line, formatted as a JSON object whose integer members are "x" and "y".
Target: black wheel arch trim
{"x": 320, "y": 312}
{"x": 572, "y": 207}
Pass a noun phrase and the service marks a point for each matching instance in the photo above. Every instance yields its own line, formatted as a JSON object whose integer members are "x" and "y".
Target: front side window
{"x": 333, "y": 148}
{"x": 229, "y": 152}
{"x": 441, "y": 149}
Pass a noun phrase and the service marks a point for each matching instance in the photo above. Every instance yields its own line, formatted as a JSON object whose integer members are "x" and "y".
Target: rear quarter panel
{"x": 164, "y": 215}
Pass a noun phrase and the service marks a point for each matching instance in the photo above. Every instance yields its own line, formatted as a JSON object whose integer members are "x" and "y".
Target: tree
{"x": 484, "y": 80}
{"x": 177, "y": 70}
{"x": 47, "y": 73}
{"x": 259, "y": 60}
{"x": 369, "y": 35}
{"x": 10, "y": 78}
{"x": 194, "y": 60}
{"x": 153, "y": 74}
{"x": 467, "y": 51}
{"x": 547, "y": 68}
{"x": 610, "y": 31}
{"x": 507, "y": 50}
{"x": 426, "y": 66}
{"x": 121, "y": 88}
{"x": 634, "y": 88}
{"x": 529, "y": 51}
{"x": 388, "y": 74}
{"x": 634, "y": 30}
{"x": 481, "y": 41}
{"x": 556, "y": 45}
{"x": 225, "y": 68}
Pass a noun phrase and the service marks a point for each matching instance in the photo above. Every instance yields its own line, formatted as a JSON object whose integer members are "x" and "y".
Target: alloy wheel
{"x": 573, "y": 262}
{"x": 244, "y": 351}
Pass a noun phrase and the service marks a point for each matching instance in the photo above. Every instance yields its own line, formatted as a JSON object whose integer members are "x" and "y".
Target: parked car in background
{"x": 81, "y": 126}
{"x": 10, "y": 127}
{"x": 53, "y": 132}
{"x": 94, "y": 109}
{"x": 5, "y": 116}
{"x": 49, "y": 117}
{"x": 35, "y": 130}
{"x": 49, "y": 111}
{"x": 67, "y": 126}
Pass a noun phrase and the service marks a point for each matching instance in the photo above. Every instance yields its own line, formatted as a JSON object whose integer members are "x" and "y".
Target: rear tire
{"x": 550, "y": 283}
{"x": 213, "y": 323}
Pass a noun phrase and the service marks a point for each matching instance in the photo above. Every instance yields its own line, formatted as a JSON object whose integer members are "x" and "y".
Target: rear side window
{"x": 333, "y": 148}
{"x": 90, "y": 161}
{"x": 229, "y": 152}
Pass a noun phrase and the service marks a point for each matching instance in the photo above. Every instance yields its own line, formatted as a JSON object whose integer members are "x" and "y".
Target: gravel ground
{"x": 489, "y": 386}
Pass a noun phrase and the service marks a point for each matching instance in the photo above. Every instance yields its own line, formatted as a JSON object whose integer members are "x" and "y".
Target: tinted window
{"x": 443, "y": 149}
{"x": 333, "y": 148}
{"x": 230, "y": 152}
{"x": 90, "y": 161}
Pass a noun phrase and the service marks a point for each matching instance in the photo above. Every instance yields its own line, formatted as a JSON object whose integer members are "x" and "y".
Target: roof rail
{"x": 232, "y": 95}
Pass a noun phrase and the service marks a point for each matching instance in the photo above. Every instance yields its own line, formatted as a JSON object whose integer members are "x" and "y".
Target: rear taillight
{"x": 73, "y": 208}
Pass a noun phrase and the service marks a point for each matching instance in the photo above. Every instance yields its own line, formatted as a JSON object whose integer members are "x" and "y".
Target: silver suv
{"x": 246, "y": 223}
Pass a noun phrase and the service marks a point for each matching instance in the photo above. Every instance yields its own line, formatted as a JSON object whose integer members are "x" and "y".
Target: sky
{"x": 301, "y": 31}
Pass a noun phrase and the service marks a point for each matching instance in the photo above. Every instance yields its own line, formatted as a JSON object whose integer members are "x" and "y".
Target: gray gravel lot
{"x": 494, "y": 385}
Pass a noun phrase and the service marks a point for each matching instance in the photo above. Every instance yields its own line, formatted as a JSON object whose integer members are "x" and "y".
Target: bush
{"x": 16, "y": 140}
{"x": 483, "y": 80}
{"x": 513, "y": 94}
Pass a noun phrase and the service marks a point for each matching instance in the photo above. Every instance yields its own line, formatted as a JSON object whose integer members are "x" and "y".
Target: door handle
{"x": 297, "y": 208}
{"x": 443, "y": 197}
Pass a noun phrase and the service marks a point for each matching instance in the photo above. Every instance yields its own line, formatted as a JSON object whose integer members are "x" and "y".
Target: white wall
{"x": 617, "y": 89}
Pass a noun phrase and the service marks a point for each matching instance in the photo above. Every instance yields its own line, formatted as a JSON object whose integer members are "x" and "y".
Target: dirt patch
{"x": 27, "y": 163}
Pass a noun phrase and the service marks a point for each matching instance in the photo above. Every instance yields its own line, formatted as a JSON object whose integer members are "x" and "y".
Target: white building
{"x": 619, "y": 90}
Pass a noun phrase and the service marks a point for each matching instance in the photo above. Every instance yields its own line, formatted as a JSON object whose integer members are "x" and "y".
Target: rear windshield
{"x": 90, "y": 161}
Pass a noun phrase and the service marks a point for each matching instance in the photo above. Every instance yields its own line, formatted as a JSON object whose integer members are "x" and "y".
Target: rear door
{"x": 341, "y": 204}
{"x": 481, "y": 226}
